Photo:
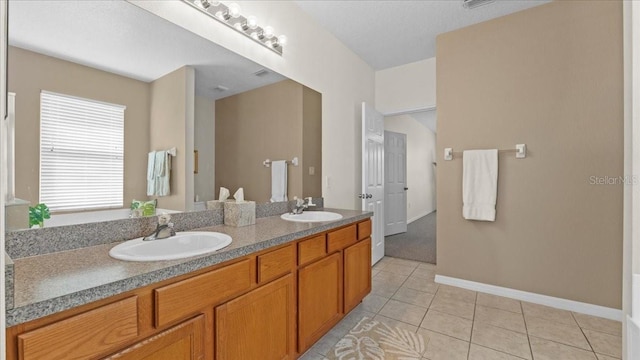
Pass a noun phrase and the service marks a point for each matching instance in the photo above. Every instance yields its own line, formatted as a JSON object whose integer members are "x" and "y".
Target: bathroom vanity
{"x": 271, "y": 294}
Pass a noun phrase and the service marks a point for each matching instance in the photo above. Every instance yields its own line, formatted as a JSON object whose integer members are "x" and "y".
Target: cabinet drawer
{"x": 312, "y": 249}
{"x": 83, "y": 336}
{"x": 275, "y": 263}
{"x": 177, "y": 301}
{"x": 364, "y": 229}
{"x": 342, "y": 238}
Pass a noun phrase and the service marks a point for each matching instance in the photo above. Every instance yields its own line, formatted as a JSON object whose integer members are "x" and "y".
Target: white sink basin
{"x": 182, "y": 245}
{"x": 312, "y": 216}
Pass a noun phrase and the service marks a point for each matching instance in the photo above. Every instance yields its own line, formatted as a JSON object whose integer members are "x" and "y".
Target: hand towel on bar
{"x": 151, "y": 175}
{"x": 278, "y": 180}
{"x": 479, "y": 184}
{"x": 162, "y": 174}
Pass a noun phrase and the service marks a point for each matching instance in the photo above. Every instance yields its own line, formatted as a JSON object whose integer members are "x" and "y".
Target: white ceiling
{"x": 122, "y": 38}
{"x": 394, "y": 32}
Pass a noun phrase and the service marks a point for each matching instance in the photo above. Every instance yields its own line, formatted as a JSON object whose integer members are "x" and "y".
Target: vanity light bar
{"x": 248, "y": 26}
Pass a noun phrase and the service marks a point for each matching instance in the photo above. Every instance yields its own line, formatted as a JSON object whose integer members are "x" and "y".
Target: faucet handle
{"x": 310, "y": 201}
{"x": 299, "y": 202}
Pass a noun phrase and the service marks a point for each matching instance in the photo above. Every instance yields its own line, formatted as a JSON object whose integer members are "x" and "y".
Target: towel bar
{"x": 294, "y": 162}
{"x": 520, "y": 151}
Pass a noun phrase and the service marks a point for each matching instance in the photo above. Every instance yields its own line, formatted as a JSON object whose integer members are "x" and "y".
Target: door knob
{"x": 406, "y": 188}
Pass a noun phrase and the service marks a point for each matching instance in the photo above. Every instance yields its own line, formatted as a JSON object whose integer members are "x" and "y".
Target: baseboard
{"x": 564, "y": 304}
{"x": 423, "y": 214}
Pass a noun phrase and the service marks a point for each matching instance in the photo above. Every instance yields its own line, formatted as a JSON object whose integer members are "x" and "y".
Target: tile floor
{"x": 464, "y": 324}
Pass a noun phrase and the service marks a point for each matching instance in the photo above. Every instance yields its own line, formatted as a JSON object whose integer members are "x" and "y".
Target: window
{"x": 81, "y": 153}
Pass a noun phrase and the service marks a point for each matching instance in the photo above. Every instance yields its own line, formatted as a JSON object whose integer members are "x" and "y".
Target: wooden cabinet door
{"x": 357, "y": 273}
{"x": 319, "y": 299}
{"x": 259, "y": 324}
{"x": 181, "y": 342}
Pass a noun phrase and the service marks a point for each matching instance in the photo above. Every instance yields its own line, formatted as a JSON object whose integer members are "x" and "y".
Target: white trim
{"x": 423, "y": 214}
{"x": 564, "y": 304}
{"x": 410, "y": 111}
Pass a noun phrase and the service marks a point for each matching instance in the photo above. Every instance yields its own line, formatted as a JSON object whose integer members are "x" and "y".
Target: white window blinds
{"x": 81, "y": 153}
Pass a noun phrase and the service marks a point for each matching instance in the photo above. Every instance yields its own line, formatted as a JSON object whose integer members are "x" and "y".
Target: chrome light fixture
{"x": 230, "y": 15}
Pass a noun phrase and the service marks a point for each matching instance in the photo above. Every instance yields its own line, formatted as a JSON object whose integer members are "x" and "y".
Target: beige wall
{"x": 421, "y": 181}
{"x": 550, "y": 77}
{"x": 29, "y": 73}
{"x": 172, "y": 123}
{"x": 266, "y": 123}
{"x": 204, "y": 138}
{"x": 311, "y": 143}
{"x": 312, "y": 57}
{"x": 406, "y": 87}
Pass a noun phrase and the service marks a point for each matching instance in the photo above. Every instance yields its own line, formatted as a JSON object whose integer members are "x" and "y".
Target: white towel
{"x": 151, "y": 183}
{"x": 162, "y": 173}
{"x": 479, "y": 184}
{"x": 278, "y": 181}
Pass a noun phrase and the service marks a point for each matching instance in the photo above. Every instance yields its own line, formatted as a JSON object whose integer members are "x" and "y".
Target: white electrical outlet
{"x": 312, "y": 170}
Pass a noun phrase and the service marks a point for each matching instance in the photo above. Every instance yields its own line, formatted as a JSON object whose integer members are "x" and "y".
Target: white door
{"x": 373, "y": 176}
{"x": 395, "y": 183}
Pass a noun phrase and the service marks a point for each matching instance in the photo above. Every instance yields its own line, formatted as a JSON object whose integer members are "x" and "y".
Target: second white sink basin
{"x": 182, "y": 245}
{"x": 312, "y": 216}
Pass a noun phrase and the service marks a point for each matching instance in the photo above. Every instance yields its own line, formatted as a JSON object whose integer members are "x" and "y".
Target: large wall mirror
{"x": 177, "y": 90}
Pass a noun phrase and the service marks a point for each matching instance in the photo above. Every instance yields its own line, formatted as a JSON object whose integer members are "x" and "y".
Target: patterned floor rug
{"x": 374, "y": 340}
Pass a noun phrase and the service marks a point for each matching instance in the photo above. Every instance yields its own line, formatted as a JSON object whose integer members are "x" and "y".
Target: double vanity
{"x": 270, "y": 292}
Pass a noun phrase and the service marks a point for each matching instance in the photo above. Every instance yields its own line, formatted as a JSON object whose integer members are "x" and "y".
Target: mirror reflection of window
{"x": 81, "y": 153}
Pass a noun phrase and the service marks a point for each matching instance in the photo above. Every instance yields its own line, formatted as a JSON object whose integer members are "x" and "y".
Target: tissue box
{"x": 239, "y": 213}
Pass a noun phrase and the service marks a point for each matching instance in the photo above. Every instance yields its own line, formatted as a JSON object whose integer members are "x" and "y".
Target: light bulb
{"x": 238, "y": 26}
{"x": 222, "y": 15}
{"x": 268, "y": 32}
{"x": 234, "y": 10}
{"x": 282, "y": 40}
{"x": 269, "y": 43}
{"x": 254, "y": 35}
{"x": 252, "y": 22}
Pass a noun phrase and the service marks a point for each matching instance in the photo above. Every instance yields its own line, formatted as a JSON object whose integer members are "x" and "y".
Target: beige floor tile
{"x": 390, "y": 277}
{"x": 499, "y": 302}
{"x": 395, "y": 323}
{"x": 605, "y": 344}
{"x": 413, "y": 297}
{"x": 549, "y": 313}
{"x": 605, "y": 357}
{"x": 374, "y": 272}
{"x": 503, "y": 340}
{"x": 427, "y": 266}
{"x": 383, "y": 288}
{"x": 421, "y": 285}
{"x": 549, "y": 330}
{"x": 456, "y": 293}
{"x": 405, "y": 262}
{"x": 442, "y": 347}
{"x": 477, "y": 352}
{"x": 373, "y": 302}
{"x": 310, "y": 355}
{"x": 410, "y": 314}
{"x": 599, "y": 324}
{"x": 424, "y": 274}
{"x": 500, "y": 318}
{"x": 399, "y": 269}
{"x": 452, "y": 307}
{"x": 549, "y": 350}
{"x": 454, "y": 326}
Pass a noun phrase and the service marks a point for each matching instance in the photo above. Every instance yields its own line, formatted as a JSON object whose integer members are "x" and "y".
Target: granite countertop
{"x": 55, "y": 282}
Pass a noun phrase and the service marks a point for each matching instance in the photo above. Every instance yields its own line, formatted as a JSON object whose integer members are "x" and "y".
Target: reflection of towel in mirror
{"x": 162, "y": 174}
{"x": 278, "y": 181}
{"x": 151, "y": 183}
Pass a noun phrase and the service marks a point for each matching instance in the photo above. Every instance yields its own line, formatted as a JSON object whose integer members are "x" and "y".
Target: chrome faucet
{"x": 164, "y": 229}
{"x": 301, "y": 205}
